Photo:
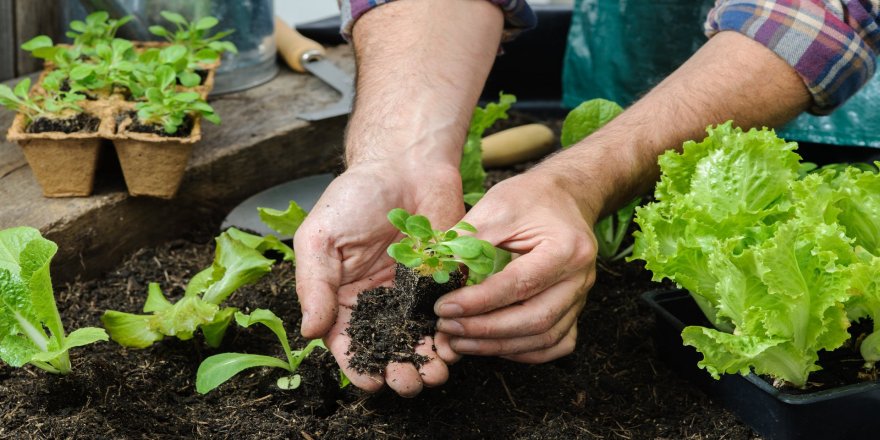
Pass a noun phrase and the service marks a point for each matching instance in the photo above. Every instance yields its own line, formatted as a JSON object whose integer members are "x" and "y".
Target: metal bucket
{"x": 252, "y": 20}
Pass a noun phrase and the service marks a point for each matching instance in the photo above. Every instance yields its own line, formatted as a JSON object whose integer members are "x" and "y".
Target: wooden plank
{"x": 260, "y": 144}
{"x": 7, "y": 40}
{"x": 32, "y": 18}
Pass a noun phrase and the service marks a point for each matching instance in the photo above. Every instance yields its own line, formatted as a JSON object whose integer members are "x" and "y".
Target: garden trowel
{"x": 307, "y": 56}
{"x": 504, "y": 148}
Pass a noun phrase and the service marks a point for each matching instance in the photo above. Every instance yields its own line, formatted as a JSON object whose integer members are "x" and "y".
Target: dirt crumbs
{"x": 388, "y": 322}
{"x": 81, "y": 123}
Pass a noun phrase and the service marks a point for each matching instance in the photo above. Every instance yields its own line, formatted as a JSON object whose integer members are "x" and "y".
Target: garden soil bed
{"x": 611, "y": 387}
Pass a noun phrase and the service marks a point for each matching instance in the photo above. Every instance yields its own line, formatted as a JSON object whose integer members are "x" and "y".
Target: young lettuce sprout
{"x": 98, "y": 28}
{"x": 238, "y": 261}
{"x": 193, "y": 35}
{"x": 28, "y": 309}
{"x": 472, "y": 173}
{"x": 219, "y": 368}
{"x": 436, "y": 253}
{"x": 167, "y": 107}
{"x": 54, "y": 103}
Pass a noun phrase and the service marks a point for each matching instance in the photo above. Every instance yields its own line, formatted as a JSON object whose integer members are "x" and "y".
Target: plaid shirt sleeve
{"x": 518, "y": 16}
{"x": 832, "y": 44}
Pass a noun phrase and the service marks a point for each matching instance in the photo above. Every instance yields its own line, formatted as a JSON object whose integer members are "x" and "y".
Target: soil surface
{"x": 612, "y": 387}
{"x": 81, "y": 123}
{"x": 388, "y": 322}
{"x": 184, "y": 130}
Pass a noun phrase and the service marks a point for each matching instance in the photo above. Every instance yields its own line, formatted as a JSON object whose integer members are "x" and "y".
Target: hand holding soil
{"x": 341, "y": 250}
{"x": 527, "y": 312}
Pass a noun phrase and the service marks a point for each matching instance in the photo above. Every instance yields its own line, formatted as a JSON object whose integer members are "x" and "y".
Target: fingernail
{"x": 450, "y": 326}
{"x": 464, "y": 345}
{"x": 450, "y": 310}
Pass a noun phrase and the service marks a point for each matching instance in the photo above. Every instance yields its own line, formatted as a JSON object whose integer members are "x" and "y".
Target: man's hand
{"x": 341, "y": 251}
{"x": 528, "y": 312}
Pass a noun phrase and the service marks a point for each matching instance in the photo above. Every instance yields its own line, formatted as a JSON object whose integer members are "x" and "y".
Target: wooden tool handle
{"x": 516, "y": 145}
{"x": 295, "y": 48}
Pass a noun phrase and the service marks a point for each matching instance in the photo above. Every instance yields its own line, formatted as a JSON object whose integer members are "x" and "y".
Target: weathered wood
{"x": 7, "y": 40}
{"x": 32, "y": 18}
{"x": 260, "y": 144}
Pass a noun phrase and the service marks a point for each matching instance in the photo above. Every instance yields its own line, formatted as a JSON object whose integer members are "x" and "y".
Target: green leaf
{"x": 22, "y": 88}
{"x": 419, "y": 227}
{"x": 586, "y": 118}
{"x": 397, "y": 217}
{"x": 405, "y": 255}
{"x": 465, "y": 247}
{"x": 158, "y": 31}
{"x": 262, "y": 244}
{"x": 206, "y": 23}
{"x": 473, "y": 175}
{"x": 440, "y": 276}
{"x": 8, "y": 98}
{"x": 189, "y": 79}
{"x": 219, "y": 368}
{"x": 273, "y": 322}
{"x": 465, "y": 226}
{"x": 284, "y": 222}
{"x": 174, "y": 17}
{"x": 235, "y": 265}
{"x": 172, "y": 54}
{"x": 37, "y": 42}
{"x": 130, "y": 330}
{"x": 289, "y": 382}
{"x": 156, "y": 301}
{"x": 216, "y": 329}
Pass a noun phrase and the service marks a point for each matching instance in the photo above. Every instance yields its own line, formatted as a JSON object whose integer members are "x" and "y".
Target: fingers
{"x": 519, "y": 345}
{"x": 318, "y": 273}
{"x": 564, "y": 348}
{"x": 434, "y": 372}
{"x": 535, "y": 316}
{"x": 403, "y": 378}
{"x": 522, "y": 279}
{"x": 446, "y": 353}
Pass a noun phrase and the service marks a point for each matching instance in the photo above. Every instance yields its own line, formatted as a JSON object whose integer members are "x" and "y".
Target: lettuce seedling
{"x": 581, "y": 122}
{"x": 49, "y": 105}
{"x": 112, "y": 64}
{"x": 98, "y": 29}
{"x": 473, "y": 175}
{"x": 436, "y": 253}
{"x": 238, "y": 261}
{"x": 168, "y": 108}
{"x": 219, "y": 368}
{"x": 202, "y": 49}
{"x": 31, "y": 331}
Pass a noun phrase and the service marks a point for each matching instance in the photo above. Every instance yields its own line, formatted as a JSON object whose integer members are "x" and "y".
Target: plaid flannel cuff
{"x": 832, "y": 44}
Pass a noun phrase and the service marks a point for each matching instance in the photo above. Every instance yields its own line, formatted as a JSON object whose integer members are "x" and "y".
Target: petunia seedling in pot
{"x": 31, "y": 331}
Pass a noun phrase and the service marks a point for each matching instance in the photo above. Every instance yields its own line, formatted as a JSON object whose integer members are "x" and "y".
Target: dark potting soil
{"x": 81, "y": 123}
{"x": 184, "y": 130}
{"x": 388, "y": 322}
{"x": 611, "y": 387}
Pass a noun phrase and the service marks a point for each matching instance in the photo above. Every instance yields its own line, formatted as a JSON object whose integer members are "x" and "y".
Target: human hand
{"x": 341, "y": 251}
{"x": 528, "y": 312}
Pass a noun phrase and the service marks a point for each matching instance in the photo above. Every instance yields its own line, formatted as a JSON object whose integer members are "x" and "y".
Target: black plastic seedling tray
{"x": 849, "y": 412}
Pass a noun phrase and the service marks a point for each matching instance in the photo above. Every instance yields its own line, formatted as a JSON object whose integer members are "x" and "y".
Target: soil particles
{"x": 81, "y": 123}
{"x": 612, "y": 387}
{"x": 184, "y": 130}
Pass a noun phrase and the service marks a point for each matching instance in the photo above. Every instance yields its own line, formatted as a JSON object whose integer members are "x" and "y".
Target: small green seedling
{"x": 31, "y": 331}
{"x": 473, "y": 175}
{"x": 167, "y": 107}
{"x": 202, "y": 49}
{"x": 53, "y": 104}
{"x": 611, "y": 230}
{"x": 436, "y": 253}
{"x": 97, "y": 29}
{"x": 219, "y": 368}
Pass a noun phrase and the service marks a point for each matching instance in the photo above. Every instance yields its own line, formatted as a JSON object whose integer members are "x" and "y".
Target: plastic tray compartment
{"x": 850, "y": 412}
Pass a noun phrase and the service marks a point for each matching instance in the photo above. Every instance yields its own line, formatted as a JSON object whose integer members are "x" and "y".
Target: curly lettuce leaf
{"x": 284, "y": 222}
{"x": 473, "y": 175}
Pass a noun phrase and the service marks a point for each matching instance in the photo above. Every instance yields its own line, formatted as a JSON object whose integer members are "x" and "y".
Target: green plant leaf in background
{"x": 586, "y": 118}
{"x": 473, "y": 175}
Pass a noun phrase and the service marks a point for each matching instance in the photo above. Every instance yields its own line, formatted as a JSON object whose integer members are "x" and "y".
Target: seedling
{"x": 611, "y": 230}
{"x": 168, "y": 108}
{"x": 202, "y": 49}
{"x": 113, "y": 64}
{"x": 473, "y": 176}
{"x": 238, "y": 261}
{"x": 97, "y": 29}
{"x": 50, "y": 105}
{"x": 219, "y": 368}
{"x": 28, "y": 309}
{"x": 436, "y": 253}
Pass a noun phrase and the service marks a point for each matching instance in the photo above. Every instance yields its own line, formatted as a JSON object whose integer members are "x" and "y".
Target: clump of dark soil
{"x": 81, "y": 123}
{"x": 388, "y": 322}
{"x": 184, "y": 130}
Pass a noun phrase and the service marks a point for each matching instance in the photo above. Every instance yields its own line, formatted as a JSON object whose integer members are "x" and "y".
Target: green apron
{"x": 618, "y": 50}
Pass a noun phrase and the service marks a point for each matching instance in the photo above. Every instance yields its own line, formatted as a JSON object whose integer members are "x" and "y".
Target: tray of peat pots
{"x": 148, "y": 98}
{"x": 779, "y": 260}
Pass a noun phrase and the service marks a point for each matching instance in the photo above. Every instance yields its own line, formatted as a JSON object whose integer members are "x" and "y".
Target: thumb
{"x": 318, "y": 274}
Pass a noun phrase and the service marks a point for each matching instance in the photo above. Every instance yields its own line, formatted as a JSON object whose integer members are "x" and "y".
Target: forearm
{"x": 730, "y": 77}
{"x": 420, "y": 74}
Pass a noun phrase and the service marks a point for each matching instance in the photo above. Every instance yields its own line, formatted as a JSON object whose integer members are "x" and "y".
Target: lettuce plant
{"x": 98, "y": 28}
{"x": 238, "y": 261}
{"x": 473, "y": 176}
{"x": 217, "y": 369}
{"x": 31, "y": 331}
{"x": 168, "y": 108}
{"x": 436, "y": 253}
{"x": 779, "y": 264}
{"x": 53, "y": 104}
{"x": 202, "y": 49}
